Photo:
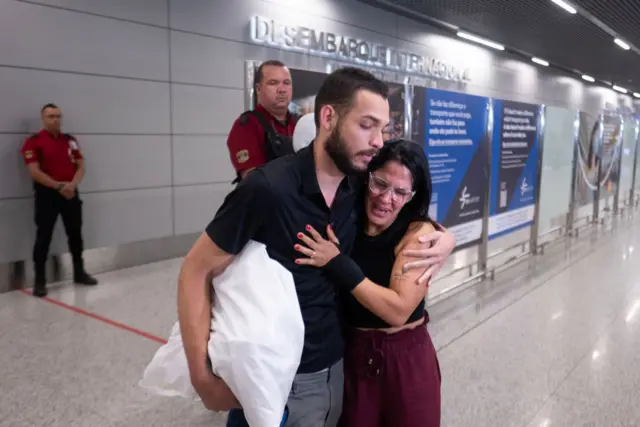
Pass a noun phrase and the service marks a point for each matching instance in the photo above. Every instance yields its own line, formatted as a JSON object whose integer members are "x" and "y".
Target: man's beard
{"x": 336, "y": 148}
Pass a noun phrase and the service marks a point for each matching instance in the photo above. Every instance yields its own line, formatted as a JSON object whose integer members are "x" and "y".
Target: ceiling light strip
{"x": 480, "y": 40}
{"x": 622, "y": 44}
{"x": 588, "y": 78}
{"x": 566, "y": 6}
{"x": 619, "y": 89}
{"x": 540, "y": 61}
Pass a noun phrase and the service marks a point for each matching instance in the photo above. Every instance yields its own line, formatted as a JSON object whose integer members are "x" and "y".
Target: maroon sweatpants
{"x": 391, "y": 380}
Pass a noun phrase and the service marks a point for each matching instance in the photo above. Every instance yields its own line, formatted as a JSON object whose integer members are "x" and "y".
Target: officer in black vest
{"x": 266, "y": 132}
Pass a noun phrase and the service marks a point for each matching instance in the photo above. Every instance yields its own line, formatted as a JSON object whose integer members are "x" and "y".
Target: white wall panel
{"x": 350, "y": 12}
{"x": 117, "y": 162}
{"x": 153, "y": 12}
{"x": 204, "y": 110}
{"x": 56, "y": 39}
{"x": 196, "y": 59}
{"x": 220, "y": 18}
{"x": 90, "y": 104}
{"x": 119, "y": 217}
{"x": 16, "y": 231}
{"x": 201, "y": 160}
{"x": 14, "y": 178}
{"x": 196, "y": 205}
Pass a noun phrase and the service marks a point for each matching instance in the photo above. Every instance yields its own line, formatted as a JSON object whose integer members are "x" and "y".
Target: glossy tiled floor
{"x": 552, "y": 342}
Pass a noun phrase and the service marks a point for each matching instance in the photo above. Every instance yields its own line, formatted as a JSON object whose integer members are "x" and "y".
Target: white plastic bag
{"x": 256, "y": 341}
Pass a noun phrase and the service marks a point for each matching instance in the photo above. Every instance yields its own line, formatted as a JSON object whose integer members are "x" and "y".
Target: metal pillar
{"x": 632, "y": 192}
{"x": 483, "y": 248}
{"x": 574, "y": 173}
{"x": 599, "y": 155}
{"x": 408, "y": 111}
{"x": 618, "y": 160}
{"x": 250, "y": 68}
{"x": 535, "y": 226}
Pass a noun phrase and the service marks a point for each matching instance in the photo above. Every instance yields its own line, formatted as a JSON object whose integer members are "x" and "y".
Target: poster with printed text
{"x": 514, "y": 166}
{"x": 453, "y": 128}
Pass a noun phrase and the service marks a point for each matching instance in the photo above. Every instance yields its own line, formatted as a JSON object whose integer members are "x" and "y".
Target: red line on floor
{"x": 99, "y": 318}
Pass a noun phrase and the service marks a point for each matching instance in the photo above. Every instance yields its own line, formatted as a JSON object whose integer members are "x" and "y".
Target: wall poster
{"x": 397, "y": 94}
{"x": 599, "y": 146}
{"x": 305, "y": 87}
{"x": 514, "y": 166}
{"x": 610, "y": 152}
{"x": 453, "y": 128}
{"x": 586, "y": 175}
{"x": 307, "y": 83}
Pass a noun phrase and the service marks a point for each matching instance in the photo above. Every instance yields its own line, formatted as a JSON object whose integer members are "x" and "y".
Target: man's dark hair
{"x": 340, "y": 87}
{"x": 49, "y": 105}
{"x": 269, "y": 63}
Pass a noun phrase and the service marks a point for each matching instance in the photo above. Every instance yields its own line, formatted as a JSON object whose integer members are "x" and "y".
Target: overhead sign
{"x": 295, "y": 37}
{"x": 514, "y": 166}
{"x": 453, "y": 127}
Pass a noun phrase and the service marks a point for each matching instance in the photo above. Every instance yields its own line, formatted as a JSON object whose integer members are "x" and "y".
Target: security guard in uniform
{"x": 265, "y": 133}
{"x": 56, "y": 166}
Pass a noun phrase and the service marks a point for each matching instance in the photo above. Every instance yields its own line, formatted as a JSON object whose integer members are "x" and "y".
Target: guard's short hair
{"x": 49, "y": 105}
{"x": 269, "y": 63}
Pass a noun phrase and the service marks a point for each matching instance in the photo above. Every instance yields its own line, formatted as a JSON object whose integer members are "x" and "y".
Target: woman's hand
{"x": 318, "y": 250}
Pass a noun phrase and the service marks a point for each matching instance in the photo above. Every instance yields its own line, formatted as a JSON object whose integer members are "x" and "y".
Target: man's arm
{"x": 246, "y": 145}
{"x": 238, "y": 220}
{"x": 80, "y": 169}
{"x": 204, "y": 260}
{"x": 30, "y": 157}
{"x": 78, "y": 158}
{"x": 432, "y": 256}
{"x": 40, "y": 177}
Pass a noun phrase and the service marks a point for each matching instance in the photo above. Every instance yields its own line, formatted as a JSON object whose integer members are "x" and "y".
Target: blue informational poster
{"x": 453, "y": 127}
{"x": 514, "y": 166}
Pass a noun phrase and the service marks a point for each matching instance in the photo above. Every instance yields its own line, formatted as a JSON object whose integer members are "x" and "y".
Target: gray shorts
{"x": 316, "y": 398}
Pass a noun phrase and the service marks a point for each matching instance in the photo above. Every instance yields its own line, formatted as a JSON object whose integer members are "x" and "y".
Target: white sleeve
{"x": 305, "y": 132}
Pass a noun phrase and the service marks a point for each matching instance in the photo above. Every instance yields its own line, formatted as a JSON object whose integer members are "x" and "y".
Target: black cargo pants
{"x": 49, "y": 204}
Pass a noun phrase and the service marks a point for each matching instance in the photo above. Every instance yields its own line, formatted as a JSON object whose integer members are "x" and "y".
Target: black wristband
{"x": 344, "y": 272}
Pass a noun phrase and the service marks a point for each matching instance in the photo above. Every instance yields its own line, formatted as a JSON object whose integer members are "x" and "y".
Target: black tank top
{"x": 376, "y": 255}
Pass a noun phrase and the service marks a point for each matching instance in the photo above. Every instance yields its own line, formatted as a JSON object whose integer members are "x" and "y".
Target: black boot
{"x": 80, "y": 276}
{"x": 40, "y": 285}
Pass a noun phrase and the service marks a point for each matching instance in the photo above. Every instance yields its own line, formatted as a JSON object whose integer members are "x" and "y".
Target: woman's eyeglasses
{"x": 379, "y": 186}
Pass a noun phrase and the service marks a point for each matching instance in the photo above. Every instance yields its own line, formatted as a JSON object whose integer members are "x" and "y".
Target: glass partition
{"x": 626, "y": 164}
{"x": 555, "y": 187}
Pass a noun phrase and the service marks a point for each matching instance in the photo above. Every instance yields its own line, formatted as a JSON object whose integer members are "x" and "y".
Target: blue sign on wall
{"x": 514, "y": 166}
{"x": 453, "y": 128}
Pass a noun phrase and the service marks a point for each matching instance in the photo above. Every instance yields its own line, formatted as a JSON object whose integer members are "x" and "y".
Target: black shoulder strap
{"x": 266, "y": 126}
{"x": 244, "y": 117}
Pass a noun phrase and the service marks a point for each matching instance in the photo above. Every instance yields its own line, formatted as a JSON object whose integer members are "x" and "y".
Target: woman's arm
{"x": 395, "y": 304}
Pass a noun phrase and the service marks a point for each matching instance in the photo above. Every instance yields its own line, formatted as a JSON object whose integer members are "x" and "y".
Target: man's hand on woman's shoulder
{"x": 433, "y": 248}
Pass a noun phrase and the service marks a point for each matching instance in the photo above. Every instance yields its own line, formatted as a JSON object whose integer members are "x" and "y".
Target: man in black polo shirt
{"x": 315, "y": 186}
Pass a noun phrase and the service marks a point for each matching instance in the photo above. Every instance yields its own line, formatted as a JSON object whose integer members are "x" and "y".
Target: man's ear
{"x": 327, "y": 117}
